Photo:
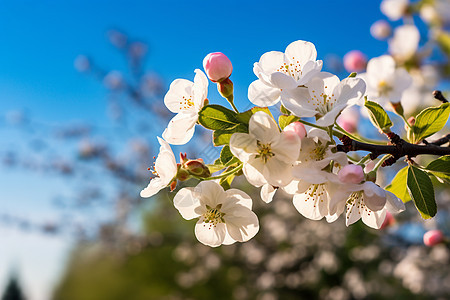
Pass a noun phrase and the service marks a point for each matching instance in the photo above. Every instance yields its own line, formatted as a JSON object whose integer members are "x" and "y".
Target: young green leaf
{"x": 217, "y": 117}
{"x": 421, "y": 190}
{"x": 440, "y": 167}
{"x": 284, "y": 121}
{"x": 378, "y": 116}
{"x": 429, "y": 121}
{"x": 245, "y": 116}
{"x": 398, "y": 185}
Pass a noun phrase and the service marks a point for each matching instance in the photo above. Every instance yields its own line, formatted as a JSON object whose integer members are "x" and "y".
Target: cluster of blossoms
{"x": 301, "y": 161}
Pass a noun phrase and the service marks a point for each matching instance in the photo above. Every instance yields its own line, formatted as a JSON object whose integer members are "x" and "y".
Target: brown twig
{"x": 399, "y": 148}
{"x": 439, "y": 96}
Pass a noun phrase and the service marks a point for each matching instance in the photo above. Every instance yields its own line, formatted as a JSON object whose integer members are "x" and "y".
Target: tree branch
{"x": 399, "y": 148}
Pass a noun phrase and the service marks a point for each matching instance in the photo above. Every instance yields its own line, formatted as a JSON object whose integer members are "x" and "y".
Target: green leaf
{"x": 421, "y": 190}
{"x": 284, "y": 110}
{"x": 429, "y": 121}
{"x": 440, "y": 167}
{"x": 217, "y": 117}
{"x": 378, "y": 116}
{"x": 245, "y": 116}
{"x": 443, "y": 40}
{"x": 352, "y": 75}
{"x": 226, "y": 155}
{"x": 215, "y": 167}
{"x": 284, "y": 121}
{"x": 398, "y": 185}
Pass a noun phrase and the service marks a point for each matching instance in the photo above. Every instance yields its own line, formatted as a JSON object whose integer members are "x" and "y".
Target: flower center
{"x": 384, "y": 88}
{"x": 291, "y": 69}
{"x": 264, "y": 151}
{"x": 213, "y": 216}
{"x": 186, "y": 103}
{"x": 322, "y": 102}
{"x": 355, "y": 201}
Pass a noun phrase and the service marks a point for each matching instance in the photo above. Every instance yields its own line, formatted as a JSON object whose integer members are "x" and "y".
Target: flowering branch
{"x": 399, "y": 148}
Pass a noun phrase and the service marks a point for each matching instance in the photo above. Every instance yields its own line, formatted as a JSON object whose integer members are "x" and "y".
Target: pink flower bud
{"x": 349, "y": 119}
{"x": 296, "y": 127}
{"x": 433, "y": 237}
{"x": 355, "y": 61}
{"x": 217, "y": 66}
{"x": 380, "y": 30}
{"x": 388, "y": 221}
{"x": 351, "y": 174}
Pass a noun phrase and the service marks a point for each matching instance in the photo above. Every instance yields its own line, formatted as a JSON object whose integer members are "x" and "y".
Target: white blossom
{"x": 405, "y": 42}
{"x": 279, "y": 72}
{"x": 366, "y": 201}
{"x": 267, "y": 153}
{"x": 394, "y": 9}
{"x": 325, "y": 97}
{"x": 165, "y": 170}
{"x": 224, "y": 216}
{"x": 384, "y": 81}
{"x": 186, "y": 99}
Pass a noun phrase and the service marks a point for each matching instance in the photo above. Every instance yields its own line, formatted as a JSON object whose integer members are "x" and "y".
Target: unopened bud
{"x": 388, "y": 221}
{"x": 351, "y": 174}
{"x": 380, "y": 30}
{"x": 433, "y": 237}
{"x": 355, "y": 61}
{"x": 217, "y": 66}
{"x": 412, "y": 121}
{"x": 197, "y": 167}
{"x": 398, "y": 108}
{"x": 182, "y": 173}
{"x": 296, "y": 127}
{"x": 225, "y": 88}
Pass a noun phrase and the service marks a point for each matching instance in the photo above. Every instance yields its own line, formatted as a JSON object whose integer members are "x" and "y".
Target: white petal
{"x": 263, "y": 128}
{"x": 298, "y": 101}
{"x": 178, "y": 89}
{"x": 181, "y": 128}
{"x": 322, "y": 84}
{"x": 238, "y": 197}
{"x": 330, "y": 117}
{"x": 310, "y": 70}
{"x": 243, "y": 145}
{"x": 393, "y": 204}
{"x": 296, "y": 187}
{"x": 242, "y": 226}
{"x": 200, "y": 89}
{"x": 210, "y": 193}
{"x": 277, "y": 172}
{"x": 380, "y": 68}
{"x": 228, "y": 239}
{"x": 210, "y": 235}
{"x": 283, "y": 81}
{"x": 374, "y": 219}
{"x": 271, "y": 62}
{"x": 350, "y": 90}
{"x": 318, "y": 134}
{"x": 354, "y": 210}
{"x": 374, "y": 196}
{"x": 267, "y": 193}
{"x": 287, "y": 148}
{"x": 312, "y": 205}
{"x": 301, "y": 51}
{"x": 253, "y": 171}
{"x": 153, "y": 187}
{"x": 166, "y": 166}
{"x": 310, "y": 174}
{"x": 186, "y": 203}
{"x": 263, "y": 95}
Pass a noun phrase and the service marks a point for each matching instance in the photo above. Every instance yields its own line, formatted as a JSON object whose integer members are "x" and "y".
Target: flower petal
{"x": 181, "y": 128}
{"x": 301, "y": 51}
{"x": 178, "y": 89}
{"x": 243, "y": 225}
{"x": 186, "y": 203}
{"x": 374, "y": 219}
{"x": 312, "y": 204}
{"x": 153, "y": 187}
{"x": 267, "y": 193}
{"x": 263, "y": 127}
{"x": 262, "y": 95}
{"x": 200, "y": 89}
{"x": 238, "y": 197}
{"x": 298, "y": 101}
{"x": 243, "y": 146}
{"x": 210, "y": 235}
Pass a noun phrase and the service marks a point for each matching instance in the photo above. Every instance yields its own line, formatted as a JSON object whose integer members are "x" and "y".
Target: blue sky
{"x": 41, "y": 39}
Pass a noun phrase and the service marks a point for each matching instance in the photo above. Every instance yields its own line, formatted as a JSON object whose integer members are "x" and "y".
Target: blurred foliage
{"x": 291, "y": 258}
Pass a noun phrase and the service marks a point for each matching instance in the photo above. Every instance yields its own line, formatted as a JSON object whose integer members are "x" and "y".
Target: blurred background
{"x": 81, "y": 103}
